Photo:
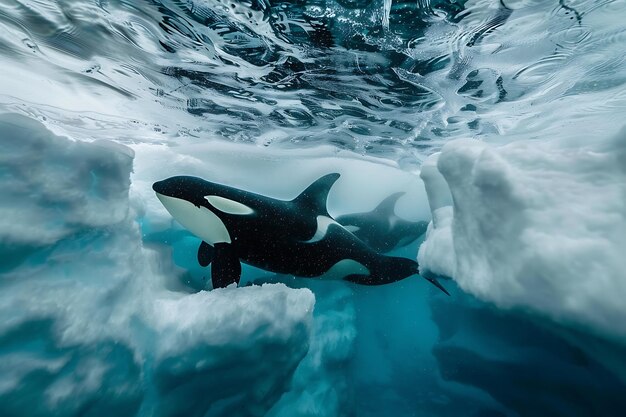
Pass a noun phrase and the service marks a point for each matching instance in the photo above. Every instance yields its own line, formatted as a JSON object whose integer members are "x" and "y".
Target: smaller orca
{"x": 296, "y": 237}
{"x": 381, "y": 229}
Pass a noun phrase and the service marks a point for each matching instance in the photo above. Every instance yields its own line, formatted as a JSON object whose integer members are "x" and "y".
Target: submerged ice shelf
{"x": 537, "y": 224}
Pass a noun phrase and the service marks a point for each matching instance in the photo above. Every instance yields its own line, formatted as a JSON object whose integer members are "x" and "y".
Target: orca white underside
{"x": 198, "y": 220}
{"x": 343, "y": 268}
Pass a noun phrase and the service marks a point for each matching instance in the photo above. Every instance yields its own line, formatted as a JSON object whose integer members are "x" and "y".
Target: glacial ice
{"x": 538, "y": 224}
{"x": 89, "y": 326}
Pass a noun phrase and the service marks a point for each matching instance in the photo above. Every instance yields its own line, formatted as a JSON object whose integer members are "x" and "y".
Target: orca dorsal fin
{"x": 387, "y": 207}
{"x": 316, "y": 194}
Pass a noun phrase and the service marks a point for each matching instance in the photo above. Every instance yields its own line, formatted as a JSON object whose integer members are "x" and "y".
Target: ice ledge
{"x": 533, "y": 224}
{"x": 89, "y": 320}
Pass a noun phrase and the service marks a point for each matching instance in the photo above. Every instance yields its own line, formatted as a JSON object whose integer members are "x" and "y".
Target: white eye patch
{"x": 198, "y": 220}
{"x": 228, "y": 206}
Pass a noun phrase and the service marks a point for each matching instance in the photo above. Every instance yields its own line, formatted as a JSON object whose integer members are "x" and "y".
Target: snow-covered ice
{"x": 537, "y": 224}
{"x": 89, "y": 324}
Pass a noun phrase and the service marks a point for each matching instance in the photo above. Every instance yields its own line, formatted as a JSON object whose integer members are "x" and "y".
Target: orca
{"x": 381, "y": 229}
{"x": 295, "y": 237}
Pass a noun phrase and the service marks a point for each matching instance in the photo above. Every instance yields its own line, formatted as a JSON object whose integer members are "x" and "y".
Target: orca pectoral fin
{"x": 226, "y": 267}
{"x": 205, "y": 254}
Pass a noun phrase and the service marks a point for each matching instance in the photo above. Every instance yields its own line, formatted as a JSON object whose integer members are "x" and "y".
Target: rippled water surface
{"x": 386, "y": 78}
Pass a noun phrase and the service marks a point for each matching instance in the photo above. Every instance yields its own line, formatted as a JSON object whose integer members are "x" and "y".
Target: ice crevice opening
{"x": 536, "y": 224}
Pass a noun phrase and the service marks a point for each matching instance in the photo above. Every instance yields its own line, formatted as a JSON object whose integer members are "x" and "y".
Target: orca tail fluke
{"x": 430, "y": 278}
{"x": 438, "y": 285}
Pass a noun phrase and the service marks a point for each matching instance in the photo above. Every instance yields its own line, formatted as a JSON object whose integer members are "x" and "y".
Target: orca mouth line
{"x": 169, "y": 189}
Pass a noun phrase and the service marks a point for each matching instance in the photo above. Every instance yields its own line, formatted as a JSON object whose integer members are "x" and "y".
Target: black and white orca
{"x": 296, "y": 237}
{"x": 381, "y": 229}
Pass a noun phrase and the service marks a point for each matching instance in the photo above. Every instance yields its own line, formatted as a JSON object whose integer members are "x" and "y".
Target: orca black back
{"x": 381, "y": 229}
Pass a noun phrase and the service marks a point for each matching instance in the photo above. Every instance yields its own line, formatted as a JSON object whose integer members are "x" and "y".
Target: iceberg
{"x": 537, "y": 224}
{"x": 89, "y": 325}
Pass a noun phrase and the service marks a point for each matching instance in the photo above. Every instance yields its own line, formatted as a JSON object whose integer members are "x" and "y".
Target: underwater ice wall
{"x": 89, "y": 326}
{"x": 538, "y": 224}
